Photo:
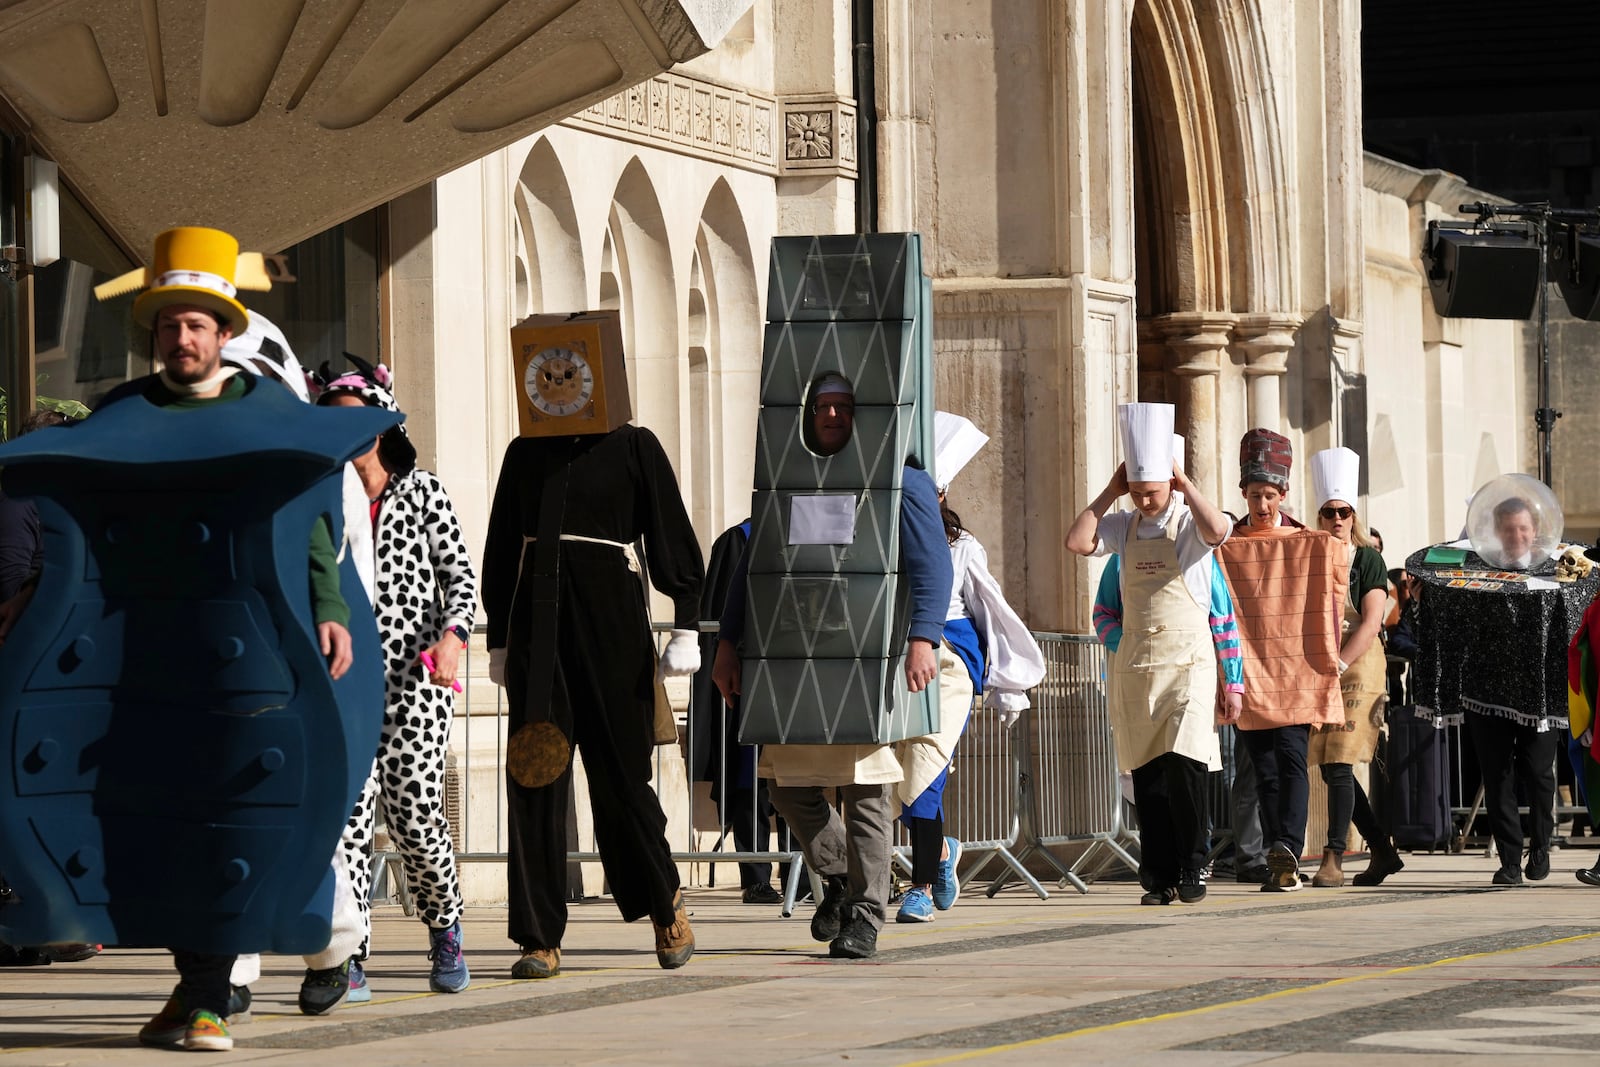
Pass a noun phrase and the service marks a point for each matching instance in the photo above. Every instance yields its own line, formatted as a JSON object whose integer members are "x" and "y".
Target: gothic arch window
{"x": 547, "y": 242}
{"x": 646, "y": 285}
{"x": 725, "y": 334}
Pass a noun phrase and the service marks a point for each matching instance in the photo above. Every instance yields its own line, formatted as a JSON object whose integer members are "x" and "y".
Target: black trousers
{"x": 1170, "y": 794}
{"x": 203, "y": 978}
{"x": 629, "y": 825}
{"x": 1347, "y": 803}
{"x": 1279, "y": 755}
{"x": 746, "y": 815}
{"x": 1511, "y": 754}
{"x": 927, "y": 847}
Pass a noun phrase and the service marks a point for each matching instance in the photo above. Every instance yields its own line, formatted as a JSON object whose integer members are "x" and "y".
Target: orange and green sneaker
{"x": 207, "y": 1033}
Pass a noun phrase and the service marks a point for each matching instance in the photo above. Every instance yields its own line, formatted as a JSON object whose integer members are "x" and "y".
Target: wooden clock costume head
{"x": 558, "y": 381}
{"x": 571, "y": 378}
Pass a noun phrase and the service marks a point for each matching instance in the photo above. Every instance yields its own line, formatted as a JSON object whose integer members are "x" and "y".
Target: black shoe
{"x": 11, "y": 956}
{"x": 858, "y": 940}
{"x": 323, "y": 990}
{"x": 1590, "y": 875}
{"x": 1507, "y": 875}
{"x": 825, "y": 920}
{"x": 1255, "y": 874}
{"x": 761, "y": 894}
{"x": 1191, "y": 886}
{"x": 1538, "y": 864}
{"x": 1384, "y": 862}
{"x": 238, "y": 1003}
{"x": 72, "y": 952}
{"x": 1160, "y": 896}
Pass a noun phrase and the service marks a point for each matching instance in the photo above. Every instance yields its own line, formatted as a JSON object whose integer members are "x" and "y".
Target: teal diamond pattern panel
{"x": 825, "y": 632}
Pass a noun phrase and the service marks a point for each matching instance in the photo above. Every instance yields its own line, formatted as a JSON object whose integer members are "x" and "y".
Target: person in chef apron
{"x": 1363, "y": 677}
{"x": 1164, "y": 674}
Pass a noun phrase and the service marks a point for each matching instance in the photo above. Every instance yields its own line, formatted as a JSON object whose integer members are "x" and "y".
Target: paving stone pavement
{"x": 1431, "y": 968}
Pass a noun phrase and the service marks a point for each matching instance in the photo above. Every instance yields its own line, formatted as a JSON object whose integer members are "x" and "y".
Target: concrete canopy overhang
{"x": 275, "y": 119}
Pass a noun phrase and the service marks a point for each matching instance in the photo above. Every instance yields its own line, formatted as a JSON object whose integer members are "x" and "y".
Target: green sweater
{"x": 327, "y": 603}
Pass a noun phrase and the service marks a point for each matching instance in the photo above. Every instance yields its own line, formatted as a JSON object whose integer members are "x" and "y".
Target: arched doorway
{"x": 1212, "y": 256}
{"x": 1180, "y": 228}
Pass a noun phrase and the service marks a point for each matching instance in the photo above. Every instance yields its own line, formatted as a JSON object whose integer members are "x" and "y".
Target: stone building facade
{"x": 1120, "y": 199}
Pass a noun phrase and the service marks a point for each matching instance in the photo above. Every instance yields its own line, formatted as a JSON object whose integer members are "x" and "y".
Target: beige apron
{"x": 1364, "y": 686}
{"x": 924, "y": 758}
{"x": 1163, "y": 698}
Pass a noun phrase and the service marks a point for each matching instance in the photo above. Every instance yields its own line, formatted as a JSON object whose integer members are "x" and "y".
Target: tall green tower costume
{"x": 828, "y": 609}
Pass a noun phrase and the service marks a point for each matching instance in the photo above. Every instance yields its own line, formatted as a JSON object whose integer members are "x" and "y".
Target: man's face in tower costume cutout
{"x": 833, "y": 416}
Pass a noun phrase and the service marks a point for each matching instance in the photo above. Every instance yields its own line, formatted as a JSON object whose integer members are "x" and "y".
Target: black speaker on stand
{"x": 1482, "y": 274}
{"x": 1575, "y": 267}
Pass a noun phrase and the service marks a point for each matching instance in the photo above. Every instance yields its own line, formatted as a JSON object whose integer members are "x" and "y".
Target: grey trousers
{"x": 857, "y": 846}
{"x": 1248, "y": 842}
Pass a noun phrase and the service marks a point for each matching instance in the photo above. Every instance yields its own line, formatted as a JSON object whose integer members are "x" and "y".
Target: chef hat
{"x": 1180, "y": 450}
{"x": 1146, "y": 441}
{"x": 955, "y": 441}
{"x": 1265, "y": 457}
{"x": 1335, "y": 475}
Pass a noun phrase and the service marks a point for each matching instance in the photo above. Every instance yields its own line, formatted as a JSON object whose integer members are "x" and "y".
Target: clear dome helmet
{"x": 1514, "y": 522}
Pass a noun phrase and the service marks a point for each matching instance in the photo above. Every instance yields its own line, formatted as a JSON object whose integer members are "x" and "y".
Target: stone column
{"x": 1196, "y": 342}
{"x": 1153, "y": 387}
{"x": 1265, "y": 341}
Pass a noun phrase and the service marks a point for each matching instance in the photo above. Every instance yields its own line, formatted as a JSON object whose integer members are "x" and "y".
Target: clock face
{"x": 559, "y": 381}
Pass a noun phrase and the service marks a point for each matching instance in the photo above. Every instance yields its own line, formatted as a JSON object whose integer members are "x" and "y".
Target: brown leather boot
{"x": 675, "y": 941}
{"x": 1331, "y": 874}
{"x": 538, "y": 963}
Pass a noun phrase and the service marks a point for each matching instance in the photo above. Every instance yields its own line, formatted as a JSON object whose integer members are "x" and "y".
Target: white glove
{"x": 1010, "y": 703}
{"x": 497, "y": 666}
{"x": 681, "y": 657}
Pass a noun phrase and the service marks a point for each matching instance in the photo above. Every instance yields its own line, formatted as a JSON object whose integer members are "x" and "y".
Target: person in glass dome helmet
{"x": 1517, "y": 528}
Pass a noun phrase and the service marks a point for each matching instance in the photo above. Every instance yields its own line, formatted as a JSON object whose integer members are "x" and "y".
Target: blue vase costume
{"x": 179, "y": 763}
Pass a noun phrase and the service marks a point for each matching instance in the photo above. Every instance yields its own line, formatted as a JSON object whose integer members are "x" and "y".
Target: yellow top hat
{"x": 193, "y": 265}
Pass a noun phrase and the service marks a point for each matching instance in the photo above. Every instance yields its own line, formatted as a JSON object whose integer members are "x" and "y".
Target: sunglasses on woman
{"x": 1336, "y": 513}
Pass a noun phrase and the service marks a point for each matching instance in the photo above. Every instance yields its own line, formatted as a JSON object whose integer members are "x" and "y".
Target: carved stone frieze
{"x": 693, "y": 117}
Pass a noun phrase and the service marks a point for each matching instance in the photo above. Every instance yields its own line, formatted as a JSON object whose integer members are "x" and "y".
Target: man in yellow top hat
{"x": 192, "y": 307}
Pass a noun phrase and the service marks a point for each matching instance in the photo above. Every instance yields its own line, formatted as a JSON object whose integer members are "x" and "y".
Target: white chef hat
{"x": 1179, "y": 450}
{"x": 1146, "y": 441}
{"x": 1336, "y": 475}
{"x": 955, "y": 441}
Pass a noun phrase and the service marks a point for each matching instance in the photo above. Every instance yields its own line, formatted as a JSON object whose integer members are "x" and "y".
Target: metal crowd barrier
{"x": 983, "y": 799}
{"x": 1047, "y": 781}
{"x": 1071, "y": 792}
{"x": 389, "y": 862}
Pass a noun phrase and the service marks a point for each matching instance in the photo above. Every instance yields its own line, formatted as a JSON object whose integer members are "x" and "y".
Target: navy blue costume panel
{"x": 179, "y": 763}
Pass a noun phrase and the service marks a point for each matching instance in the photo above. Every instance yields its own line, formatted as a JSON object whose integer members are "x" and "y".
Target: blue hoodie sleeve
{"x": 924, "y": 556}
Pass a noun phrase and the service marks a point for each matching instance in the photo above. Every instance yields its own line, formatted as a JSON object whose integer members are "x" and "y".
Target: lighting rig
{"x": 1498, "y": 266}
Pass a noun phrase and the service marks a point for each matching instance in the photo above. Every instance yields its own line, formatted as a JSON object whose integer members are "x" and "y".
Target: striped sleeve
{"x": 1225, "y": 632}
{"x": 1108, "y": 605}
